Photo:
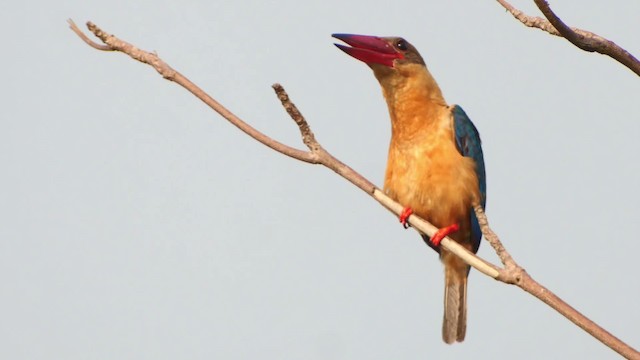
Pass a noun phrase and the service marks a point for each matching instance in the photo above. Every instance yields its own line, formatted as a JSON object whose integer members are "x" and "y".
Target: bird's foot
{"x": 404, "y": 216}
{"x": 442, "y": 233}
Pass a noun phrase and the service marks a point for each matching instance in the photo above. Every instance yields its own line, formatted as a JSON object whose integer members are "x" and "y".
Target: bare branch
{"x": 319, "y": 153}
{"x": 583, "y": 39}
{"x": 115, "y": 44}
{"x": 512, "y": 273}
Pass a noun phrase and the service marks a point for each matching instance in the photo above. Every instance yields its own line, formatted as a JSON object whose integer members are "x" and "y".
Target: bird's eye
{"x": 401, "y": 45}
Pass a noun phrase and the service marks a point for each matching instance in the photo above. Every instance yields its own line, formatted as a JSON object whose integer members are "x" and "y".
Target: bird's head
{"x": 395, "y": 62}
{"x": 384, "y": 54}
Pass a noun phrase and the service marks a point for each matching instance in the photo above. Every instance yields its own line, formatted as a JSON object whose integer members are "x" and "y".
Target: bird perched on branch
{"x": 435, "y": 166}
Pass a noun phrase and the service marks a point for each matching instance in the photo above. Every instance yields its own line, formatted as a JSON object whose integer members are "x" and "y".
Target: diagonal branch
{"x": 583, "y": 39}
{"x": 112, "y": 43}
{"x": 512, "y": 273}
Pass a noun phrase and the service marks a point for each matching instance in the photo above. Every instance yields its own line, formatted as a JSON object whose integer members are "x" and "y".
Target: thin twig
{"x": 307, "y": 135}
{"x": 583, "y": 39}
{"x": 493, "y": 238}
{"x": 86, "y": 39}
{"x": 512, "y": 273}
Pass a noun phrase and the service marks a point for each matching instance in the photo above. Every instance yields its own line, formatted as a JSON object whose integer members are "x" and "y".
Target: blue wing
{"x": 469, "y": 144}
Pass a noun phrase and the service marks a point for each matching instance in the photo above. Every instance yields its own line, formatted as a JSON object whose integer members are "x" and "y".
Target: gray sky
{"x": 137, "y": 224}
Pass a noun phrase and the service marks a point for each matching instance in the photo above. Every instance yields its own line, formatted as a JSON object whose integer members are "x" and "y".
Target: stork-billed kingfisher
{"x": 435, "y": 165}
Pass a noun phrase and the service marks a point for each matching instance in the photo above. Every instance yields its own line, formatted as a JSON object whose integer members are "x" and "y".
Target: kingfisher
{"x": 435, "y": 165}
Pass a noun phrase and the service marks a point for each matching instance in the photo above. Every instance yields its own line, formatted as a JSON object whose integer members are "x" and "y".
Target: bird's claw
{"x": 442, "y": 233}
{"x": 404, "y": 217}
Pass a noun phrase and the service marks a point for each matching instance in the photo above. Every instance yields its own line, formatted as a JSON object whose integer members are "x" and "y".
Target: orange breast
{"x": 428, "y": 174}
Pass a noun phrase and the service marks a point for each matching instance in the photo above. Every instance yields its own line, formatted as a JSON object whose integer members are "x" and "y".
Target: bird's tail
{"x": 454, "y": 323}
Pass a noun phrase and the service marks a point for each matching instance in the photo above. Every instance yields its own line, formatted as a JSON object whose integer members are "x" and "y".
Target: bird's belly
{"x": 440, "y": 189}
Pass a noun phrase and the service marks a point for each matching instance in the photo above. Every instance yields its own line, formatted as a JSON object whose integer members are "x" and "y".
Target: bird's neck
{"x": 414, "y": 99}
